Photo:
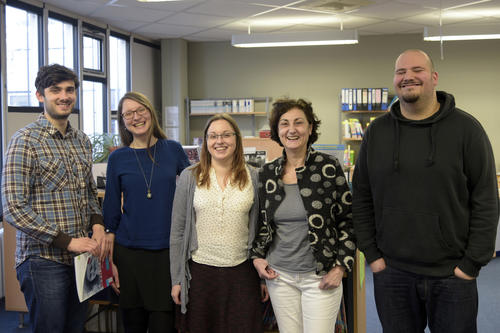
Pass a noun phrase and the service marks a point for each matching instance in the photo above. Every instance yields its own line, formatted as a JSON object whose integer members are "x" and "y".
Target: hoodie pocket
{"x": 412, "y": 236}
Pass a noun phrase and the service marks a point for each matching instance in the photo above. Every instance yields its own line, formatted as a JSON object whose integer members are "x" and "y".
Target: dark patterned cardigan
{"x": 327, "y": 200}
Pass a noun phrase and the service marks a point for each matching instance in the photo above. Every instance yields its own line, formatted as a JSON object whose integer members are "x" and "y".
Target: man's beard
{"x": 55, "y": 115}
{"x": 410, "y": 98}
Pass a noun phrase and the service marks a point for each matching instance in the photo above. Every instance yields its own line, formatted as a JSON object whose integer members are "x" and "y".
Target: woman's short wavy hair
{"x": 282, "y": 106}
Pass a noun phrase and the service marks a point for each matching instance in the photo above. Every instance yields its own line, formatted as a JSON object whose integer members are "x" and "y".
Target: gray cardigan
{"x": 183, "y": 239}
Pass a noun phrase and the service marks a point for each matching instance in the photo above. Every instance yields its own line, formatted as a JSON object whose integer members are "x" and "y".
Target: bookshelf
{"x": 353, "y": 125}
{"x": 244, "y": 108}
{"x": 359, "y": 107}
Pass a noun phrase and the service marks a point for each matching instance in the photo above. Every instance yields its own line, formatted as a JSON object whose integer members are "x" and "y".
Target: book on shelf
{"x": 352, "y": 129}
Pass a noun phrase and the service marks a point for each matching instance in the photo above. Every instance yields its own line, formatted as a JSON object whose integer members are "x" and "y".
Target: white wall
{"x": 146, "y": 74}
{"x": 470, "y": 71}
{"x": 17, "y": 120}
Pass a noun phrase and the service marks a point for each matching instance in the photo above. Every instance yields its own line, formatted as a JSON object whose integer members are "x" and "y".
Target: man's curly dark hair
{"x": 53, "y": 74}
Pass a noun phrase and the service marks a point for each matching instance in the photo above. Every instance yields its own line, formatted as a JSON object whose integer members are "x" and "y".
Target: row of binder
{"x": 366, "y": 99}
{"x": 221, "y": 105}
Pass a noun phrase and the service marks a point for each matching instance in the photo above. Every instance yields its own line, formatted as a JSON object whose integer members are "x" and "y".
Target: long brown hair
{"x": 154, "y": 130}
{"x": 238, "y": 172}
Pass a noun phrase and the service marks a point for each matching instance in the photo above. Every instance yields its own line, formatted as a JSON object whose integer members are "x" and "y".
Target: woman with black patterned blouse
{"x": 305, "y": 239}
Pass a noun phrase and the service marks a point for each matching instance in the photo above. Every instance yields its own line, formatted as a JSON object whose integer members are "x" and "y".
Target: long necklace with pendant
{"x": 148, "y": 185}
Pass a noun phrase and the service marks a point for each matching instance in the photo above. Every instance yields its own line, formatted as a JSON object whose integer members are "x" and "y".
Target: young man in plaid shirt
{"x": 50, "y": 197}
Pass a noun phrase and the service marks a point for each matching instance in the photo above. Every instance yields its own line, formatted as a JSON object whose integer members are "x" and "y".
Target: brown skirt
{"x": 223, "y": 300}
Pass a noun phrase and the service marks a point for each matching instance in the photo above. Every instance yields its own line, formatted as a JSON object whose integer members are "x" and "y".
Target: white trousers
{"x": 300, "y": 306}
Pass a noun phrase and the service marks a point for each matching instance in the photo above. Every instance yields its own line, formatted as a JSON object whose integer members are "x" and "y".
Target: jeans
{"x": 50, "y": 292}
{"x": 407, "y": 302}
{"x": 299, "y": 304}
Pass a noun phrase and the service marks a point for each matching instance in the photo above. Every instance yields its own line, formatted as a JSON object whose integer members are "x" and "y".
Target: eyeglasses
{"x": 127, "y": 115}
{"x": 223, "y": 136}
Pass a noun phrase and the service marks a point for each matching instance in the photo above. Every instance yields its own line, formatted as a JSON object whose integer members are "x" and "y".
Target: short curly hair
{"x": 53, "y": 74}
{"x": 282, "y": 106}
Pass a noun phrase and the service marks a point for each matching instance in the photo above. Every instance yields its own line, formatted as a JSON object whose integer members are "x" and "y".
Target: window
{"x": 92, "y": 51}
{"x": 93, "y": 107}
{"x": 118, "y": 70}
{"x": 94, "y": 93}
{"x": 118, "y": 75}
{"x": 23, "y": 56}
{"x": 61, "y": 43}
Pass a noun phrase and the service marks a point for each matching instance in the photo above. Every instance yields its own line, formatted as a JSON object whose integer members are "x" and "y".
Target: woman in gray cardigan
{"x": 214, "y": 222}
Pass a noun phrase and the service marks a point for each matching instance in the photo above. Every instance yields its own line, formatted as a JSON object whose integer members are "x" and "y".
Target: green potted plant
{"x": 102, "y": 145}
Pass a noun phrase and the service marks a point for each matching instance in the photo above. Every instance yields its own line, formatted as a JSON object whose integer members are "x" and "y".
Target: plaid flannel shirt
{"x": 48, "y": 190}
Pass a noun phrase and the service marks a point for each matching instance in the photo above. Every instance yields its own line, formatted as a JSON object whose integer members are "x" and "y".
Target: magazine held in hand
{"x": 92, "y": 275}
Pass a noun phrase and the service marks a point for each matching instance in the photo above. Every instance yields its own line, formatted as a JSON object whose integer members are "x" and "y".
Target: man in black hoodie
{"x": 425, "y": 205}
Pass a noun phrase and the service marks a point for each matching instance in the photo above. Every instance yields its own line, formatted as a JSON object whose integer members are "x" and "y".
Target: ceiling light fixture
{"x": 450, "y": 34}
{"x": 278, "y": 39}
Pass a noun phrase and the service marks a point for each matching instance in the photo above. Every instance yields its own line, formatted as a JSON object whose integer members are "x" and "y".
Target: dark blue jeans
{"x": 50, "y": 292}
{"x": 407, "y": 302}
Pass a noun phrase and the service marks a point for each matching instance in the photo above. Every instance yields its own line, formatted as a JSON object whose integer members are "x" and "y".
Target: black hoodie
{"x": 425, "y": 194}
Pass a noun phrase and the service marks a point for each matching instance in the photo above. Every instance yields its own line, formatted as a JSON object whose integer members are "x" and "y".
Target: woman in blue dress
{"x": 140, "y": 187}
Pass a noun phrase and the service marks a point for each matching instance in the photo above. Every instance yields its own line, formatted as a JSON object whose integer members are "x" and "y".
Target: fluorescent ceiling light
{"x": 466, "y": 33}
{"x": 276, "y": 39}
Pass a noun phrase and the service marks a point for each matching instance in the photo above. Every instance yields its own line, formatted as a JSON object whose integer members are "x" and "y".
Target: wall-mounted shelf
{"x": 228, "y": 105}
{"x": 231, "y": 113}
{"x": 365, "y": 111}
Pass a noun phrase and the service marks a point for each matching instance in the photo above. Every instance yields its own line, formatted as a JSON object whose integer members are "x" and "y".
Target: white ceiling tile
{"x": 129, "y": 13}
{"x": 485, "y": 21}
{"x": 226, "y": 8}
{"x": 242, "y": 28}
{"x": 127, "y": 25}
{"x": 82, "y": 8}
{"x": 306, "y": 27}
{"x": 350, "y": 22}
{"x": 267, "y": 3}
{"x": 196, "y": 20}
{"x": 168, "y": 30}
{"x": 441, "y": 4}
{"x": 392, "y": 27}
{"x": 481, "y": 10}
{"x": 390, "y": 11}
{"x": 284, "y": 18}
{"x": 214, "y": 35}
{"x": 170, "y": 6}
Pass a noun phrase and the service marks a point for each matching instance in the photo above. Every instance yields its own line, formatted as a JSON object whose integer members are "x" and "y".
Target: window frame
{"x": 74, "y": 22}
{"x": 113, "y": 114}
{"x": 94, "y": 32}
{"x": 105, "y": 116}
{"x": 128, "y": 40}
{"x": 39, "y": 12}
